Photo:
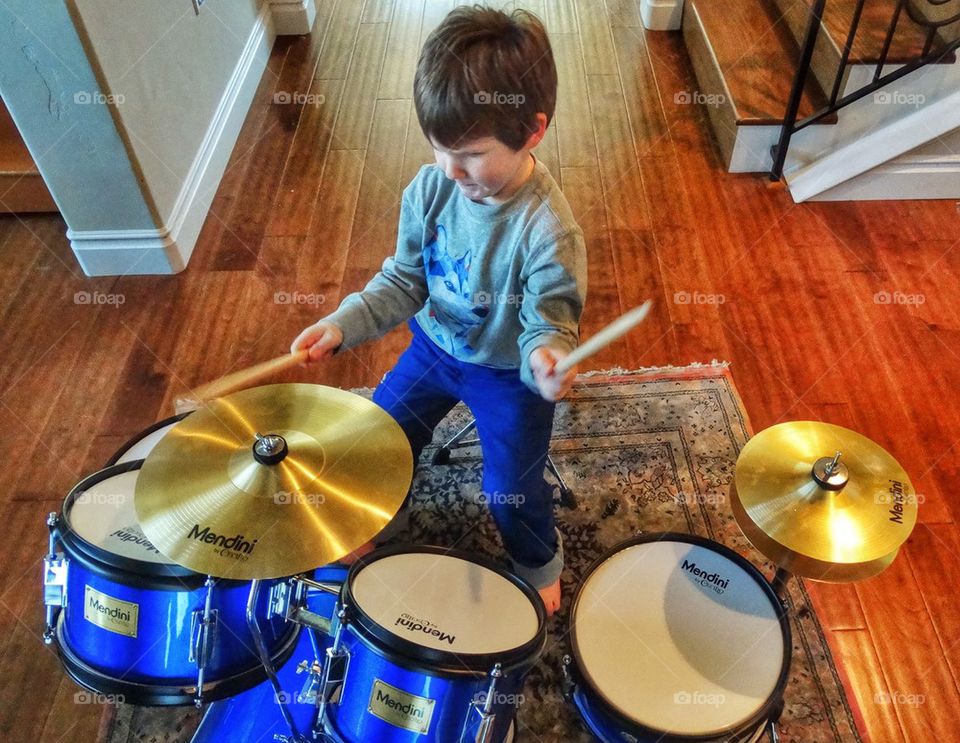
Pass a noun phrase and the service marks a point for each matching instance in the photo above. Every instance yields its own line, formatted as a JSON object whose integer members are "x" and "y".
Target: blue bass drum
{"x": 677, "y": 638}
{"x": 255, "y": 714}
{"x": 431, "y": 646}
{"x": 130, "y": 623}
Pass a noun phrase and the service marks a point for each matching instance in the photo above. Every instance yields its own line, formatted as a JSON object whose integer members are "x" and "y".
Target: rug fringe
{"x": 619, "y": 371}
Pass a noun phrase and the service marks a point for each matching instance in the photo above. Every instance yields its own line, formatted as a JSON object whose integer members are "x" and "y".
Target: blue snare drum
{"x": 130, "y": 623}
{"x": 431, "y": 645}
{"x": 677, "y": 638}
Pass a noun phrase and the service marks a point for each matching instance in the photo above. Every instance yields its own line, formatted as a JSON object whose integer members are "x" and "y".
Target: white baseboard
{"x": 928, "y": 177}
{"x": 293, "y": 17}
{"x": 661, "y": 15}
{"x": 167, "y": 250}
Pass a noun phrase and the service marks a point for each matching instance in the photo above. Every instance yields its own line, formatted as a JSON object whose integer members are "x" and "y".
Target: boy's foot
{"x": 551, "y": 597}
{"x": 363, "y": 549}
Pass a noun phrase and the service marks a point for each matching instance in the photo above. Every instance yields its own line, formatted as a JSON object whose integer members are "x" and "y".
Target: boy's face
{"x": 487, "y": 170}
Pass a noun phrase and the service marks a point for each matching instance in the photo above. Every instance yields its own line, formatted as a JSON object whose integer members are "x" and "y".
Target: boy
{"x": 491, "y": 266}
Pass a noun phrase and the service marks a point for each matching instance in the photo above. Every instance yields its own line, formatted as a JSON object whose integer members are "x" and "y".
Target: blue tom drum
{"x": 130, "y": 623}
{"x": 431, "y": 646}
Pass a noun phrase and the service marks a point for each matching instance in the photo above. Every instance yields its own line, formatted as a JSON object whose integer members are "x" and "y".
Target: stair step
{"x": 755, "y": 56}
{"x": 21, "y": 186}
{"x": 906, "y": 45}
{"x": 745, "y": 62}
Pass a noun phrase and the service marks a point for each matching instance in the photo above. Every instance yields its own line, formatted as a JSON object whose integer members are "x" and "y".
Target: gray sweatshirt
{"x": 487, "y": 283}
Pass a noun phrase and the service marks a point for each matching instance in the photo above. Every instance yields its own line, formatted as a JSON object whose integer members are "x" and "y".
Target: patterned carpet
{"x": 643, "y": 452}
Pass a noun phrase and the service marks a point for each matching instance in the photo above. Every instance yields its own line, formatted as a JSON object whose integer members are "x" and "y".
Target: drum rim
{"x": 127, "y": 570}
{"x": 441, "y": 662}
{"x": 136, "y": 439}
{"x": 764, "y": 712}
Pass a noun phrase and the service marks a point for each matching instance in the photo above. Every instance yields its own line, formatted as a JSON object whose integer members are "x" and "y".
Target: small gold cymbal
{"x": 273, "y": 481}
{"x": 822, "y": 501}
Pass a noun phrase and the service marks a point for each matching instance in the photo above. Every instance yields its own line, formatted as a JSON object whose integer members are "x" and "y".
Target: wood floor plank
{"x": 869, "y": 686}
{"x": 297, "y": 193}
{"x": 403, "y": 50}
{"x": 594, "y": 24}
{"x": 561, "y": 17}
{"x": 334, "y": 62}
{"x": 909, "y": 652}
{"x": 378, "y": 11}
{"x": 575, "y": 137}
{"x": 374, "y": 233}
{"x": 352, "y": 128}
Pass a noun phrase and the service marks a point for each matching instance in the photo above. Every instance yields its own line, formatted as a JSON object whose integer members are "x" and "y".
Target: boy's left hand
{"x": 543, "y": 362}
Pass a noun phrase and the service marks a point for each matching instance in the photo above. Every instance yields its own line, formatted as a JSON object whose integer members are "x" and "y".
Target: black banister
{"x": 930, "y": 54}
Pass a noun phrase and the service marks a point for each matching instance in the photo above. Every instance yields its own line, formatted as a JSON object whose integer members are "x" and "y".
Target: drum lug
{"x": 203, "y": 634}
{"x": 484, "y": 708}
{"x": 55, "y": 568}
{"x": 335, "y": 670}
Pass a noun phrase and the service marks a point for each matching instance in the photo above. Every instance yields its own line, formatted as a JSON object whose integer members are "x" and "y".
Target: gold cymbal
{"x": 819, "y": 515}
{"x": 273, "y": 481}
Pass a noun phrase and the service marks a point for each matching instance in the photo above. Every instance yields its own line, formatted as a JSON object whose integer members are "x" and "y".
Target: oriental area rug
{"x": 643, "y": 452}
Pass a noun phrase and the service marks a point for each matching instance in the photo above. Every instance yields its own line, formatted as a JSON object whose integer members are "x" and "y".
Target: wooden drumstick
{"x": 622, "y": 325}
{"x": 240, "y": 379}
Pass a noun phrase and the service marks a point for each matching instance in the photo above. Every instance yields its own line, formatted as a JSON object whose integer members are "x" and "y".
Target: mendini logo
{"x": 416, "y": 625}
{"x": 896, "y": 493}
{"x": 712, "y": 580}
{"x": 236, "y": 546}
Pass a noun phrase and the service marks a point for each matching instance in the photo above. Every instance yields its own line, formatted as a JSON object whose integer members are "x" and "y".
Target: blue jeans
{"x": 514, "y": 425}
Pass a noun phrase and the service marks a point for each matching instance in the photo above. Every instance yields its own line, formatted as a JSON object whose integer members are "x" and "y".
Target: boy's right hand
{"x": 322, "y": 338}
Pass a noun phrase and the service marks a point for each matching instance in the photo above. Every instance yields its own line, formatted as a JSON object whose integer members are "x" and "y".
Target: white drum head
{"x": 104, "y": 516}
{"x": 442, "y": 602}
{"x": 678, "y": 638}
{"x": 144, "y": 446}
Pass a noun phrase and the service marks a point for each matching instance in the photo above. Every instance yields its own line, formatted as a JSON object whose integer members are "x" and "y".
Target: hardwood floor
{"x": 792, "y": 295}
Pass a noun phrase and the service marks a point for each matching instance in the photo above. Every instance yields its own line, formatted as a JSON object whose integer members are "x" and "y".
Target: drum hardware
{"x": 203, "y": 630}
{"x": 268, "y": 666}
{"x": 336, "y": 667}
{"x": 54, "y": 582}
{"x": 487, "y": 715}
{"x": 567, "y": 684}
{"x": 310, "y": 692}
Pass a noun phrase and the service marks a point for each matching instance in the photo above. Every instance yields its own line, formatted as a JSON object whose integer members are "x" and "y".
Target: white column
{"x": 293, "y": 17}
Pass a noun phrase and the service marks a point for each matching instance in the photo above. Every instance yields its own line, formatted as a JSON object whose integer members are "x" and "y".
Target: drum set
{"x": 200, "y": 566}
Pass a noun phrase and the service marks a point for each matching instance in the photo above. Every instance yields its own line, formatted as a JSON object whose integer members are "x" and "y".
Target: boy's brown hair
{"x": 483, "y": 73}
